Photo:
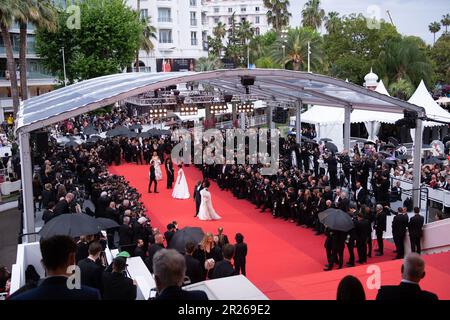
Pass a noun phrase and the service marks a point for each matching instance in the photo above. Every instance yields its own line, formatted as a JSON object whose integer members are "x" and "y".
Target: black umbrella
{"x": 144, "y": 135}
{"x": 336, "y": 219}
{"x": 71, "y": 144}
{"x": 305, "y": 139}
{"x": 402, "y": 156}
{"x": 165, "y": 132}
{"x": 183, "y": 236}
{"x": 113, "y": 133}
{"x": 388, "y": 145}
{"x": 89, "y": 130}
{"x": 331, "y": 147}
{"x": 70, "y": 224}
{"x": 389, "y": 161}
{"x": 105, "y": 223}
{"x": 393, "y": 141}
{"x": 433, "y": 160}
{"x": 136, "y": 127}
{"x": 129, "y": 134}
{"x": 326, "y": 139}
{"x": 93, "y": 139}
{"x": 369, "y": 142}
{"x": 154, "y": 132}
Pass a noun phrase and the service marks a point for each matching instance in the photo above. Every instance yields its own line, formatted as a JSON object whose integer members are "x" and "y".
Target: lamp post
{"x": 309, "y": 56}
{"x": 284, "y": 33}
{"x": 64, "y": 66}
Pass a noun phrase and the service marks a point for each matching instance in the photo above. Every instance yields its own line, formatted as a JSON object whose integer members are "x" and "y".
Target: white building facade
{"x": 179, "y": 31}
{"x": 253, "y": 11}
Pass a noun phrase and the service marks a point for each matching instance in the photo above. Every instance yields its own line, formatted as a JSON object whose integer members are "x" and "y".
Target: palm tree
{"x": 405, "y": 60}
{"x": 277, "y": 13}
{"x": 313, "y": 14}
{"x": 220, "y": 30}
{"x": 208, "y": 63}
{"x": 402, "y": 89}
{"x": 446, "y": 21}
{"x": 8, "y": 11}
{"x": 332, "y": 22}
{"x": 295, "y": 50}
{"x": 434, "y": 28}
{"x": 148, "y": 33}
{"x": 245, "y": 31}
{"x": 43, "y": 15}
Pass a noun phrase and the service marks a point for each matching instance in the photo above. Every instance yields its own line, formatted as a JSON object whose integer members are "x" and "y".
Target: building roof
{"x": 270, "y": 84}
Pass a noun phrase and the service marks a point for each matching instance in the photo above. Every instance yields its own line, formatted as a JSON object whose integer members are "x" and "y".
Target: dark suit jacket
{"x": 415, "y": 226}
{"x": 91, "y": 273}
{"x": 399, "y": 225}
{"x": 240, "y": 253}
{"x": 380, "y": 221}
{"x": 168, "y": 235}
{"x": 61, "y": 208}
{"x": 152, "y": 249}
{"x": 193, "y": 269}
{"x": 125, "y": 235}
{"x": 118, "y": 287}
{"x": 176, "y": 293}
{"x": 362, "y": 197}
{"x": 223, "y": 269}
{"x": 152, "y": 172}
{"x": 362, "y": 230}
{"x": 55, "y": 288}
{"x": 405, "y": 291}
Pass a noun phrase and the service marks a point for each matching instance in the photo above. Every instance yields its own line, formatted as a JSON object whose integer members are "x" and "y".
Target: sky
{"x": 411, "y": 17}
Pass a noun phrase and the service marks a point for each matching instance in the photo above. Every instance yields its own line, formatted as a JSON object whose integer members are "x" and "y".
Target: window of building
{"x": 193, "y": 3}
{"x": 164, "y": 15}
{"x": 193, "y": 18}
{"x": 243, "y": 9}
{"x": 230, "y": 21}
{"x": 230, "y": 10}
{"x": 257, "y": 9}
{"x": 216, "y": 9}
{"x": 165, "y": 36}
{"x": 193, "y": 38}
{"x": 144, "y": 13}
{"x": 257, "y": 19}
{"x": 216, "y": 19}
{"x": 257, "y": 32}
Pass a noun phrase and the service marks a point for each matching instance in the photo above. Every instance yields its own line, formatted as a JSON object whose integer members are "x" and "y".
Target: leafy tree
{"x": 277, "y": 13}
{"x": 42, "y": 14}
{"x": 332, "y": 22}
{"x": 260, "y": 45}
{"x": 446, "y": 21}
{"x": 354, "y": 48}
{"x": 434, "y": 28}
{"x": 295, "y": 53}
{"x": 402, "y": 89}
{"x": 145, "y": 39}
{"x": 208, "y": 63}
{"x": 440, "y": 55}
{"x": 405, "y": 59}
{"x": 9, "y": 9}
{"x": 106, "y": 43}
{"x": 312, "y": 14}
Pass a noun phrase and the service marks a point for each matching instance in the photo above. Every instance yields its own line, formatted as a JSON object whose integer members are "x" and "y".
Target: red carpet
{"x": 284, "y": 261}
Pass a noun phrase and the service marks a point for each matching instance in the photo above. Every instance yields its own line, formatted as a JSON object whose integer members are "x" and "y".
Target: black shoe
{"x": 349, "y": 264}
{"x": 328, "y": 267}
{"x": 377, "y": 250}
{"x": 378, "y": 254}
{"x": 369, "y": 256}
{"x": 156, "y": 192}
{"x": 149, "y": 191}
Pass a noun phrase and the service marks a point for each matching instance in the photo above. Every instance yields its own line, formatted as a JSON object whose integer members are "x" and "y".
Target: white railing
{"x": 437, "y": 195}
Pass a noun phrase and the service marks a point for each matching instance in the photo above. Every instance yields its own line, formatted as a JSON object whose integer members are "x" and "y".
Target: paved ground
{"x": 9, "y": 229}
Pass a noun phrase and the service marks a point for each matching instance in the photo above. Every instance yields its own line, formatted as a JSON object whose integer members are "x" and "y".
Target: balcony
{"x": 165, "y": 19}
{"x": 193, "y": 22}
{"x": 194, "y": 42}
{"x": 16, "y": 49}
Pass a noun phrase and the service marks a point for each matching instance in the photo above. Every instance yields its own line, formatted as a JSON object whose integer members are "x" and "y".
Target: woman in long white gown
{"x": 206, "y": 211}
{"x": 157, "y": 165}
{"x": 181, "y": 189}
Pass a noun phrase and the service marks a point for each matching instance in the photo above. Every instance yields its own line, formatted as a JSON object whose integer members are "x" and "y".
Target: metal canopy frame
{"x": 273, "y": 84}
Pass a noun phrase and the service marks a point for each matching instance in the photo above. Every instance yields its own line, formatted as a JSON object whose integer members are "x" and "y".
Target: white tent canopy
{"x": 423, "y": 98}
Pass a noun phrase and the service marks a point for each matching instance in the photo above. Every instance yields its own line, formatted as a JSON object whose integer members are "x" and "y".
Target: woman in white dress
{"x": 206, "y": 211}
{"x": 181, "y": 189}
{"x": 157, "y": 165}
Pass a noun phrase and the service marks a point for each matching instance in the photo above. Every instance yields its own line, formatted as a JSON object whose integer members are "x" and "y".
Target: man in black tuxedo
{"x": 193, "y": 267}
{"x": 126, "y": 236}
{"x": 399, "y": 225}
{"x": 169, "y": 233}
{"x": 380, "y": 227}
{"x": 362, "y": 234}
{"x": 224, "y": 268}
{"x": 153, "y": 249}
{"x": 415, "y": 230}
{"x": 116, "y": 285}
{"x": 63, "y": 206}
{"x": 169, "y": 171}
{"x": 169, "y": 270}
{"x": 197, "y": 198}
{"x": 360, "y": 195}
{"x": 152, "y": 178}
{"x": 58, "y": 253}
{"x": 91, "y": 272}
{"x": 332, "y": 169}
{"x": 413, "y": 270}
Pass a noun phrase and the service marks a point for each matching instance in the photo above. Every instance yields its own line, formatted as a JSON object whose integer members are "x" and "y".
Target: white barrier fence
{"x": 438, "y": 195}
